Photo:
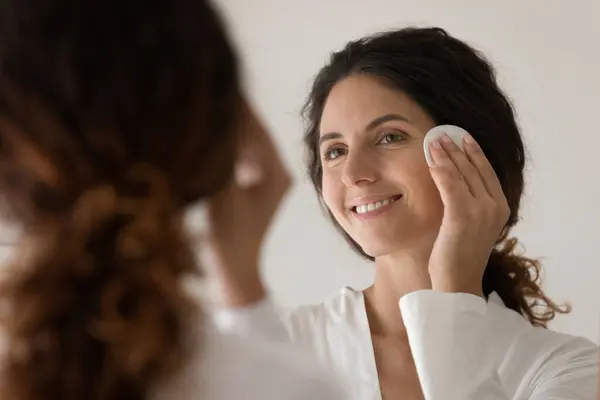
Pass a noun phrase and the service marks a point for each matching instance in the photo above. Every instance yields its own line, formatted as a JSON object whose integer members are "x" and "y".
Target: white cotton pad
{"x": 455, "y": 133}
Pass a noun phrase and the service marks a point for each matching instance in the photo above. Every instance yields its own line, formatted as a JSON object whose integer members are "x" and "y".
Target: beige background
{"x": 548, "y": 59}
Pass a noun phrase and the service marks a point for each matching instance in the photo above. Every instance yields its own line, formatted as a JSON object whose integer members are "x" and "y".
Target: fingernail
{"x": 436, "y": 155}
{"x": 470, "y": 141}
{"x": 446, "y": 138}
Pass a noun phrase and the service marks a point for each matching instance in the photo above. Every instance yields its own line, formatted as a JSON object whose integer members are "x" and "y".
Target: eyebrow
{"x": 370, "y": 126}
{"x": 383, "y": 119}
{"x": 329, "y": 136}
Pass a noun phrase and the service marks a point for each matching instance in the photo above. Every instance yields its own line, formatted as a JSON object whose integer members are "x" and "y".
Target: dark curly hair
{"x": 454, "y": 84}
{"x": 115, "y": 116}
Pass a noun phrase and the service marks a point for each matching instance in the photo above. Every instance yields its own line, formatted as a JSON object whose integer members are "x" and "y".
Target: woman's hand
{"x": 240, "y": 216}
{"x": 475, "y": 212}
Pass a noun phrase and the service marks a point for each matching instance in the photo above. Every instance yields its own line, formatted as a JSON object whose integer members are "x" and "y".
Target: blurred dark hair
{"x": 114, "y": 117}
{"x": 454, "y": 84}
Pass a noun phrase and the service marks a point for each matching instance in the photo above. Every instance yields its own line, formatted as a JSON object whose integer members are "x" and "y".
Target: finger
{"x": 248, "y": 173}
{"x": 486, "y": 171}
{"x": 465, "y": 167}
{"x": 449, "y": 181}
{"x": 260, "y": 150}
{"x": 261, "y": 175}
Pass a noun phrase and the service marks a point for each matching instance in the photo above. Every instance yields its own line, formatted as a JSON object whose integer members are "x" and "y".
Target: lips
{"x": 369, "y": 206}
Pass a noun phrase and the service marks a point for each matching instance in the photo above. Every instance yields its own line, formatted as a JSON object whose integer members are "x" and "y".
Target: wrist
{"x": 447, "y": 284}
{"x": 241, "y": 290}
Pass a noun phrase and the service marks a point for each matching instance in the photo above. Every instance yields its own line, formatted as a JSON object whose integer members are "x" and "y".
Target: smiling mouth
{"x": 365, "y": 208}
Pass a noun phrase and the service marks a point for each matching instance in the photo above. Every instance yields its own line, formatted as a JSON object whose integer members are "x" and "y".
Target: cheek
{"x": 419, "y": 172}
{"x": 333, "y": 194}
{"x": 413, "y": 171}
{"x": 409, "y": 165}
{"x": 425, "y": 191}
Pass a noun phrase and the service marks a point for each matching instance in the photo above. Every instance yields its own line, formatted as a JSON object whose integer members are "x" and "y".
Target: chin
{"x": 383, "y": 246}
{"x": 377, "y": 248}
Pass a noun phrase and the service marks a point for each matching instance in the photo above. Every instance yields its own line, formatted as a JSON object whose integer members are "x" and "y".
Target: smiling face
{"x": 376, "y": 182}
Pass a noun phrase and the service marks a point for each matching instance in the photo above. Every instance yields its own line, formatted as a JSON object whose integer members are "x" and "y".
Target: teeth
{"x": 365, "y": 208}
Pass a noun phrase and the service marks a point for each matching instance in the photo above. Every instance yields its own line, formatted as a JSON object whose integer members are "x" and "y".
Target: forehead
{"x": 357, "y": 100}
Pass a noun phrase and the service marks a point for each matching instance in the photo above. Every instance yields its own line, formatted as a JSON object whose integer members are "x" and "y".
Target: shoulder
{"x": 555, "y": 353}
{"x": 537, "y": 342}
{"x": 543, "y": 359}
{"x": 558, "y": 363}
{"x": 229, "y": 366}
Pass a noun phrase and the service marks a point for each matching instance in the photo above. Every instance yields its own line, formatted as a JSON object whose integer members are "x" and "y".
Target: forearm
{"x": 447, "y": 334}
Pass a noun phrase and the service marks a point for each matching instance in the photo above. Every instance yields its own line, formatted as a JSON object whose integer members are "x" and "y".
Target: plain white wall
{"x": 548, "y": 60}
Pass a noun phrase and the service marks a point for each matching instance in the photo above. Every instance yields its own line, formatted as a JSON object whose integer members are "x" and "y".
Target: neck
{"x": 395, "y": 276}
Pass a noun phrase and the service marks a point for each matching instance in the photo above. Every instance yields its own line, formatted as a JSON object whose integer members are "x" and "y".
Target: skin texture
{"x": 385, "y": 160}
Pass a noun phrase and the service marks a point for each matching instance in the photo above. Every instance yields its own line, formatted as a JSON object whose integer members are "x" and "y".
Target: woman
{"x": 454, "y": 312}
{"x": 115, "y": 118}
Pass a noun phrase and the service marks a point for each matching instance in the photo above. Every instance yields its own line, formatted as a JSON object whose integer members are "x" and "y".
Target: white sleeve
{"x": 450, "y": 337}
{"x": 260, "y": 320}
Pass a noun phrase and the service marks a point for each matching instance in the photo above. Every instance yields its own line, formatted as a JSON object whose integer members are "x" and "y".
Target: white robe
{"x": 464, "y": 347}
{"x": 227, "y": 367}
{"x": 230, "y": 367}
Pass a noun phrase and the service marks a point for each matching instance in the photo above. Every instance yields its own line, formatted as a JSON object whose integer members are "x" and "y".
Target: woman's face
{"x": 376, "y": 182}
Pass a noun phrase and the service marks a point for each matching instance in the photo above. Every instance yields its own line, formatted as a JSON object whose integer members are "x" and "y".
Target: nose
{"x": 359, "y": 169}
